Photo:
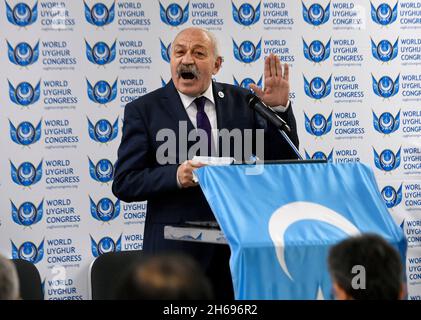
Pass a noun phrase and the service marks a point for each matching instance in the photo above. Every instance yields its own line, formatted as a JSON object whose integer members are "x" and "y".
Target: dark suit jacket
{"x": 138, "y": 175}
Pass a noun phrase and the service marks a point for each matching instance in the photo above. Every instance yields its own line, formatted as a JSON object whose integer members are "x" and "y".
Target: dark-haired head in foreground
{"x": 366, "y": 267}
{"x": 165, "y": 277}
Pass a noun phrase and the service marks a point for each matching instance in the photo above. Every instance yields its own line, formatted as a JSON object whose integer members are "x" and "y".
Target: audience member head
{"x": 9, "y": 281}
{"x": 165, "y": 277}
{"x": 366, "y": 267}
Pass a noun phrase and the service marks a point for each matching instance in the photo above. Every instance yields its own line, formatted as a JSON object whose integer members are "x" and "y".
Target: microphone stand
{"x": 291, "y": 144}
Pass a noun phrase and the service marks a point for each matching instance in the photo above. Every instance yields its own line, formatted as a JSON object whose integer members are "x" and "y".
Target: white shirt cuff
{"x": 282, "y": 108}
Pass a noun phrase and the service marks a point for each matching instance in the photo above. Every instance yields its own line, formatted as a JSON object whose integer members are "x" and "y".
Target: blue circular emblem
{"x": 387, "y": 160}
{"x": 247, "y": 51}
{"x": 25, "y": 133}
{"x": 317, "y": 51}
{"x": 318, "y": 124}
{"x": 104, "y": 170}
{"x": 105, "y": 209}
{"x": 26, "y": 173}
{"x": 317, "y": 88}
{"x": 105, "y": 245}
{"x": 27, "y": 213}
{"x": 384, "y": 50}
{"x": 22, "y": 14}
{"x": 319, "y": 156}
{"x": 24, "y": 93}
{"x": 101, "y": 52}
{"x": 386, "y": 122}
{"x": 316, "y": 14}
{"x": 100, "y": 14}
{"x": 246, "y": 83}
{"x": 386, "y": 86}
{"x": 384, "y": 14}
{"x": 23, "y": 54}
{"x": 103, "y": 130}
{"x": 389, "y": 196}
{"x": 28, "y": 251}
{"x": 174, "y": 14}
{"x": 102, "y": 92}
{"x": 246, "y": 13}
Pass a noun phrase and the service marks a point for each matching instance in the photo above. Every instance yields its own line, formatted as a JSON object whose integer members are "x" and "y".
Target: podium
{"x": 280, "y": 220}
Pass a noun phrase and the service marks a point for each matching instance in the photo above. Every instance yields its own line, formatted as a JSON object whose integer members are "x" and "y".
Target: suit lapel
{"x": 172, "y": 103}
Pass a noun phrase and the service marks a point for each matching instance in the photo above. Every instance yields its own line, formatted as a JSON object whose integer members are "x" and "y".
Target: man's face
{"x": 193, "y": 62}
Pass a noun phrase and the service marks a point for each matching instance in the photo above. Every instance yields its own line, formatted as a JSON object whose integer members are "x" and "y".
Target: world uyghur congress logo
{"x": 102, "y": 131}
{"x": 22, "y": 15}
{"x": 24, "y": 94}
{"x": 391, "y": 197}
{"x": 105, "y": 210}
{"x": 99, "y": 15}
{"x": 246, "y": 15}
{"x": 25, "y": 133}
{"x": 246, "y": 82}
{"x": 174, "y": 15}
{"x": 384, "y": 14}
{"x": 316, "y": 51}
{"x": 102, "y": 172}
{"x": 385, "y": 87}
{"x": 27, "y": 214}
{"x": 28, "y": 251}
{"x": 305, "y": 214}
{"x": 105, "y": 245}
{"x": 318, "y": 125}
{"x": 316, "y": 15}
{"x": 100, "y": 53}
{"x": 386, "y": 123}
{"x": 320, "y": 155}
{"x": 317, "y": 88}
{"x": 384, "y": 51}
{"x": 102, "y": 92}
{"x": 247, "y": 52}
{"x": 165, "y": 51}
{"x": 26, "y": 174}
{"x": 23, "y": 54}
{"x": 387, "y": 160}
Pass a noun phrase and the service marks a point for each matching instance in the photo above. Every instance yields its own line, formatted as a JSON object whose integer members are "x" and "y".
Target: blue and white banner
{"x": 281, "y": 223}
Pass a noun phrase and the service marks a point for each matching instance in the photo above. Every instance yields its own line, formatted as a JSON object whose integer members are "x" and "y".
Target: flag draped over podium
{"x": 281, "y": 219}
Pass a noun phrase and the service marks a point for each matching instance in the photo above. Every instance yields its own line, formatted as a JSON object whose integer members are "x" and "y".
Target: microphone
{"x": 267, "y": 112}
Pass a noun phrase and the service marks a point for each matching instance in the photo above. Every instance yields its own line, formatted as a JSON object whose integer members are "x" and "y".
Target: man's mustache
{"x": 190, "y": 68}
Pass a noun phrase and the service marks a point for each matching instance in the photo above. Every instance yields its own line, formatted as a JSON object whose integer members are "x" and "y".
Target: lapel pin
{"x": 221, "y": 94}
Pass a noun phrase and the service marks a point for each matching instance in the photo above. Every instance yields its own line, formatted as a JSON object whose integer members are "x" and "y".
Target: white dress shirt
{"x": 210, "y": 110}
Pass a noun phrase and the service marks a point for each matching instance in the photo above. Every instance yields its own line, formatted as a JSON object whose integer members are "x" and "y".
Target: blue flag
{"x": 281, "y": 223}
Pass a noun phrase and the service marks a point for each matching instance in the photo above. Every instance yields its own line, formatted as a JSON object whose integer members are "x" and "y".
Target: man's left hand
{"x": 276, "y": 85}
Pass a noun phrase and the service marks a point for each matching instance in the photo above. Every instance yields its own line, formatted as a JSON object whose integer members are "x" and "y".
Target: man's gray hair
{"x": 9, "y": 281}
{"x": 212, "y": 37}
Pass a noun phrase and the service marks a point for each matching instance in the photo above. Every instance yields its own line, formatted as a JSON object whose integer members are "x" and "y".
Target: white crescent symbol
{"x": 248, "y": 53}
{"x": 320, "y": 126}
{"x": 315, "y": 52}
{"x": 293, "y": 212}
{"x": 24, "y": 95}
{"x": 24, "y": 55}
{"x": 386, "y": 123}
{"x": 24, "y": 135}
{"x": 102, "y": 55}
{"x": 244, "y": 15}
{"x": 385, "y": 161}
{"x": 105, "y": 172}
{"x": 22, "y": 16}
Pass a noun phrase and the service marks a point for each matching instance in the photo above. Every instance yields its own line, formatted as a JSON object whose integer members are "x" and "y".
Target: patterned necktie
{"x": 203, "y": 122}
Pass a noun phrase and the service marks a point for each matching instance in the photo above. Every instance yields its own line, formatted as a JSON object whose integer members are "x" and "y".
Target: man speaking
{"x": 152, "y": 166}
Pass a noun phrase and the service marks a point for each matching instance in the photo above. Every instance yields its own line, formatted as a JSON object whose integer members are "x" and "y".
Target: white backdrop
{"x": 69, "y": 68}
